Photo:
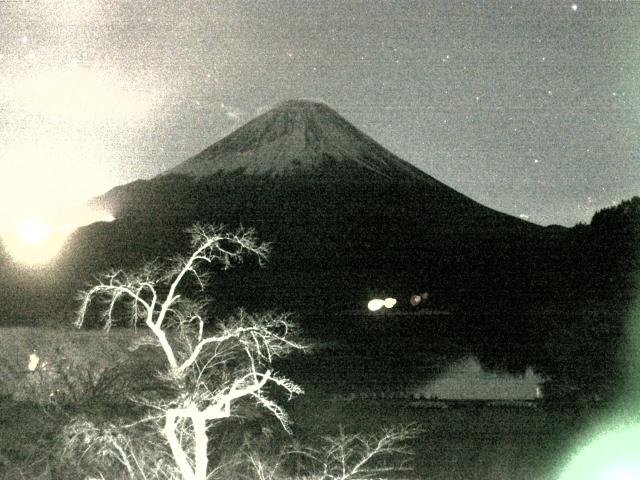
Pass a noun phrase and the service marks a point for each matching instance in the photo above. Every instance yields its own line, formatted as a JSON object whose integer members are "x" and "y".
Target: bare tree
{"x": 360, "y": 456}
{"x": 380, "y": 455}
{"x": 210, "y": 370}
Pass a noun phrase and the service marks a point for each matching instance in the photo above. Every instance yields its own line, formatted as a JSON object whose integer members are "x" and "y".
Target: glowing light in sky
{"x": 63, "y": 140}
{"x": 34, "y": 230}
{"x": 50, "y": 174}
{"x": 79, "y": 94}
{"x": 35, "y": 242}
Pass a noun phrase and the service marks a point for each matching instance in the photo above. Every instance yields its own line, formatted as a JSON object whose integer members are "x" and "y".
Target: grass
{"x": 79, "y": 372}
{"x": 72, "y": 363}
{"x": 475, "y": 442}
{"x": 90, "y": 370}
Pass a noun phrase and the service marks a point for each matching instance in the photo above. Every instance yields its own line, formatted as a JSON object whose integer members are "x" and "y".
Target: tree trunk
{"x": 176, "y": 448}
{"x": 200, "y": 450}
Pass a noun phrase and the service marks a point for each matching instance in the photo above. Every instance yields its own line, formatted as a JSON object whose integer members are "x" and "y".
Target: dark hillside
{"x": 384, "y": 235}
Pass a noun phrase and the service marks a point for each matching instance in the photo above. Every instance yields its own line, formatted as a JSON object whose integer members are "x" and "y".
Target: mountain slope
{"x": 300, "y": 137}
{"x": 346, "y": 217}
{"x": 302, "y": 143}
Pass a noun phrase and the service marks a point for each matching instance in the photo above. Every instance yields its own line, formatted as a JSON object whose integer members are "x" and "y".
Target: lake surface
{"x": 444, "y": 356}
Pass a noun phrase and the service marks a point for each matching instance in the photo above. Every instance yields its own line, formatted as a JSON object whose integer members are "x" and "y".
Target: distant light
{"x": 33, "y": 242}
{"x": 574, "y": 7}
{"x": 375, "y": 304}
{"x": 33, "y": 362}
{"x": 415, "y": 300}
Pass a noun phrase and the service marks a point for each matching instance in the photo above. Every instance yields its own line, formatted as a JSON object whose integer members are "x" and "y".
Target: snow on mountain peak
{"x": 300, "y": 137}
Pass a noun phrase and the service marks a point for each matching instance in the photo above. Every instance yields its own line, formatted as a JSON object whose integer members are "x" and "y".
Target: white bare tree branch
{"x": 210, "y": 370}
{"x": 360, "y": 457}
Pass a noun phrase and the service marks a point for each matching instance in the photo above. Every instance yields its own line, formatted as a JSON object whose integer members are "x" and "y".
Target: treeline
{"x": 585, "y": 347}
{"x": 602, "y": 259}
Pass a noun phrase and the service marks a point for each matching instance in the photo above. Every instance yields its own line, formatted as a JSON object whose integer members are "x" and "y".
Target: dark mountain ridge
{"x": 347, "y": 218}
{"x": 299, "y": 145}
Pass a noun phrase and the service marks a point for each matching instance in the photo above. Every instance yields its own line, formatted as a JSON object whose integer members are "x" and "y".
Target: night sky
{"x": 529, "y": 107}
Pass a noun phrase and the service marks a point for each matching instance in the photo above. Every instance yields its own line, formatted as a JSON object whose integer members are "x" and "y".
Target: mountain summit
{"x": 301, "y": 137}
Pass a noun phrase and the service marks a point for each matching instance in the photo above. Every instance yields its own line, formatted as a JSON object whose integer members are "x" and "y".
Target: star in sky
{"x": 434, "y": 82}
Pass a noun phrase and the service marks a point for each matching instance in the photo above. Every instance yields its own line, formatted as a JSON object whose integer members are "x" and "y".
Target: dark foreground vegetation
{"x": 203, "y": 404}
{"x": 569, "y": 317}
{"x": 455, "y": 443}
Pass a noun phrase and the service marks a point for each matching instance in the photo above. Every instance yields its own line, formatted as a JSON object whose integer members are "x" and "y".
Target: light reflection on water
{"x": 466, "y": 380}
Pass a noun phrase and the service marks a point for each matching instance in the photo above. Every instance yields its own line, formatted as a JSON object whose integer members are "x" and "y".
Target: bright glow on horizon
{"x": 51, "y": 173}
{"x": 35, "y": 242}
{"x": 34, "y": 230}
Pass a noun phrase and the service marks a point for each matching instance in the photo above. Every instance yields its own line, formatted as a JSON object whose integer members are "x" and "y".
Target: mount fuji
{"x": 300, "y": 137}
{"x": 347, "y": 218}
